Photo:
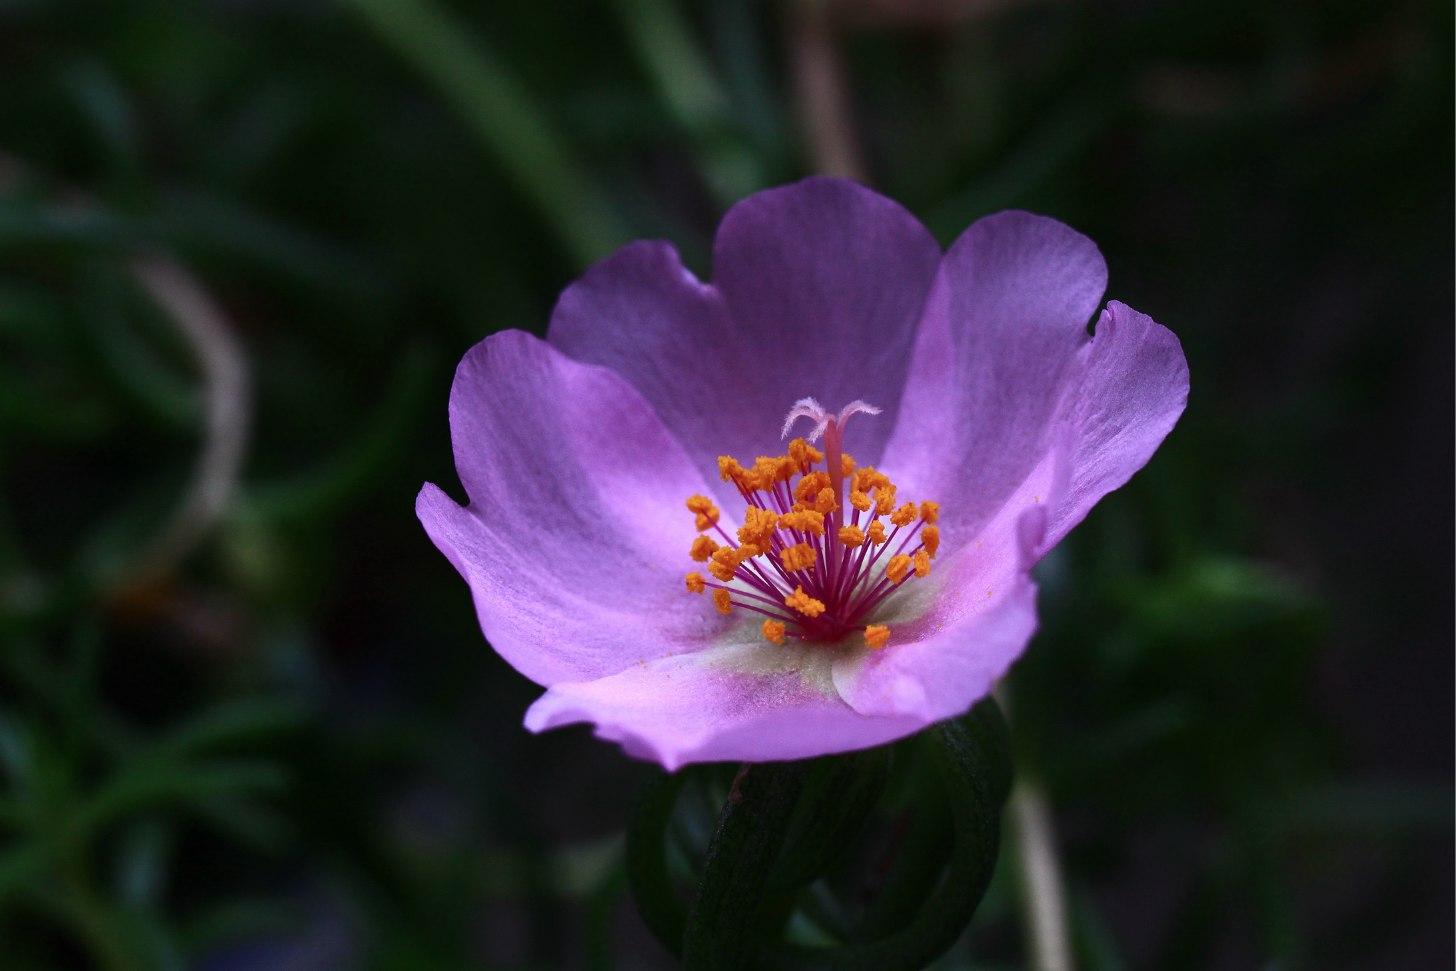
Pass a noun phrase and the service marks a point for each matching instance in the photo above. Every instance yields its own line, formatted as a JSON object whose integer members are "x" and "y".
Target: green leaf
{"x": 505, "y": 119}
{"x": 973, "y": 755}
{"x": 725, "y": 925}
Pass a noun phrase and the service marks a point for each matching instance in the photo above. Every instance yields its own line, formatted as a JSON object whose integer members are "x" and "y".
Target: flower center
{"x": 812, "y": 567}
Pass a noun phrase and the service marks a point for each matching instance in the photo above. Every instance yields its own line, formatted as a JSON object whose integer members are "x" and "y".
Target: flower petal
{"x": 741, "y": 701}
{"x": 966, "y": 623}
{"x": 996, "y": 350}
{"x": 818, "y": 289}
{"x": 1133, "y": 388}
{"x": 575, "y": 537}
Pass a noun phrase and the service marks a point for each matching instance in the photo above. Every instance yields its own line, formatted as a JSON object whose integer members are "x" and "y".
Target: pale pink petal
{"x": 742, "y": 701}
{"x": 575, "y": 540}
{"x": 1132, "y": 389}
{"x": 818, "y": 287}
{"x": 955, "y": 633}
{"x": 996, "y": 350}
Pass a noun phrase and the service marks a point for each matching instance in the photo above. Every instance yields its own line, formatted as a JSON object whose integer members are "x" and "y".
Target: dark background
{"x": 266, "y": 732}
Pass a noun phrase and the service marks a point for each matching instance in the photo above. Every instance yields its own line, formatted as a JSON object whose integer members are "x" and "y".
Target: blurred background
{"x": 247, "y": 719}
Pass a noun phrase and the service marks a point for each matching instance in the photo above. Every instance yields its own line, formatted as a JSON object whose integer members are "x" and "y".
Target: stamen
{"x": 800, "y": 556}
{"x": 702, "y": 548}
{"x": 898, "y": 567}
{"x": 803, "y": 603}
{"x": 803, "y": 557}
{"x": 930, "y": 539}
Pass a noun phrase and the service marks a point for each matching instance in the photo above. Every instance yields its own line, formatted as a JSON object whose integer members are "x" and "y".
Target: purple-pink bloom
{"x": 577, "y": 453}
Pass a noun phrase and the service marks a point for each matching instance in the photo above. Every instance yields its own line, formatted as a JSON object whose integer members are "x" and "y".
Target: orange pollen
{"x": 922, "y": 564}
{"x": 696, "y": 583}
{"x": 800, "y": 556}
{"x": 897, "y": 568}
{"x": 876, "y": 532}
{"x": 877, "y": 636}
{"x": 773, "y": 631}
{"x": 804, "y": 603}
{"x": 851, "y": 536}
{"x": 804, "y": 454}
{"x": 903, "y": 516}
{"x": 930, "y": 511}
{"x": 930, "y": 539}
{"x": 809, "y": 486}
{"x": 723, "y": 601}
{"x": 703, "y": 547}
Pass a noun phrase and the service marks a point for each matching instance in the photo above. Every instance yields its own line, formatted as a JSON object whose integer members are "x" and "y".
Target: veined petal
{"x": 1004, "y": 369}
{"x": 574, "y": 485}
{"x": 751, "y": 702}
{"x": 818, "y": 287}
{"x": 1132, "y": 389}
{"x": 996, "y": 350}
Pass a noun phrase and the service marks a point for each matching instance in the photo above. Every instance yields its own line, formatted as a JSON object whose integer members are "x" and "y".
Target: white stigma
{"x": 811, "y": 409}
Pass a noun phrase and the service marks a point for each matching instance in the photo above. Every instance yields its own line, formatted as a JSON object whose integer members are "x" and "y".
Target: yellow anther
{"x": 696, "y": 583}
{"x": 825, "y": 502}
{"x": 868, "y": 477}
{"x": 804, "y": 454}
{"x": 898, "y": 568}
{"x": 758, "y": 527}
{"x": 730, "y": 470}
{"x": 922, "y": 563}
{"x": 930, "y": 512}
{"x": 851, "y": 535}
{"x": 707, "y": 516}
{"x": 768, "y": 469}
{"x": 876, "y": 636}
{"x": 703, "y": 547}
{"x": 876, "y": 532}
{"x": 724, "y": 563}
{"x": 846, "y": 463}
{"x": 810, "y": 485}
{"x": 804, "y": 521}
{"x": 930, "y": 539}
{"x": 800, "y": 556}
{"x": 721, "y": 601}
{"x": 803, "y": 603}
{"x": 773, "y": 631}
{"x": 885, "y": 500}
{"x": 860, "y": 500}
{"x": 903, "y": 515}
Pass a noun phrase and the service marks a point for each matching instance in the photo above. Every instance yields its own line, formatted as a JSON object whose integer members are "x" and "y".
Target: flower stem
{"x": 822, "y": 94}
{"x": 1043, "y": 901}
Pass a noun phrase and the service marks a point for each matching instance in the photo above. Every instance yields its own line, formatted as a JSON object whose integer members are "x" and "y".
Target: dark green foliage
{"x": 293, "y": 741}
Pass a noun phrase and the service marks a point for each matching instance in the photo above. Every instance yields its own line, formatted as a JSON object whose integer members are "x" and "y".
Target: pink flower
{"x": 985, "y": 395}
